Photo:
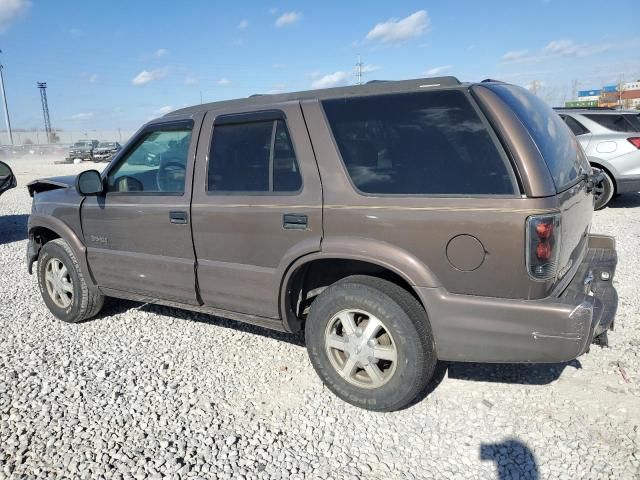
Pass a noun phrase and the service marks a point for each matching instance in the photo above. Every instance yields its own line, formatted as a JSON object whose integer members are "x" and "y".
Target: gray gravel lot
{"x": 155, "y": 392}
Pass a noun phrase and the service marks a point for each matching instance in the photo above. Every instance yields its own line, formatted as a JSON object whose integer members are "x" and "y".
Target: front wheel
{"x": 370, "y": 342}
{"x": 62, "y": 285}
{"x": 604, "y": 191}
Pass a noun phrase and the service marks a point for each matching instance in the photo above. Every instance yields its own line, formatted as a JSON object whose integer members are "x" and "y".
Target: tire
{"x": 378, "y": 384}
{"x": 604, "y": 192}
{"x": 68, "y": 297}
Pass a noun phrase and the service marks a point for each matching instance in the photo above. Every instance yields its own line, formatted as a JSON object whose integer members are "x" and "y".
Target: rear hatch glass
{"x": 556, "y": 142}
{"x": 566, "y": 162}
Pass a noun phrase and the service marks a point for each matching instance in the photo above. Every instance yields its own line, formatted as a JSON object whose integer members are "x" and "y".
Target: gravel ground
{"x": 154, "y": 392}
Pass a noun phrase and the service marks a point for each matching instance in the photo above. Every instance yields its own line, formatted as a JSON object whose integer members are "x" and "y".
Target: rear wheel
{"x": 62, "y": 285}
{"x": 370, "y": 342}
{"x": 604, "y": 191}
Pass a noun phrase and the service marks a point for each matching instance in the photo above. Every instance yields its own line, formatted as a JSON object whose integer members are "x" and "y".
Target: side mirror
{"x": 7, "y": 178}
{"x": 89, "y": 182}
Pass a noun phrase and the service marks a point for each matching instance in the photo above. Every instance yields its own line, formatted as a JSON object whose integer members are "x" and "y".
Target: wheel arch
{"x": 309, "y": 275}
{"x": 43, "y": 229}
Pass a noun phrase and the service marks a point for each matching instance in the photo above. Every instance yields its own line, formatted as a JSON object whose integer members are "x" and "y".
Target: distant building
{"x": 631, "y": 86}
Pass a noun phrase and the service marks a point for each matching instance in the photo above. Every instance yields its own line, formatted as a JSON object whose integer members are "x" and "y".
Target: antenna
{"x": 358, "y": 72}
{"x": 45, "y": 109}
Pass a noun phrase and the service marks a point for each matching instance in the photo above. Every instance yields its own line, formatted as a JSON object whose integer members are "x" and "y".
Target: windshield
{"x": 555, "y": 141}
{"x": 106, "y": 145}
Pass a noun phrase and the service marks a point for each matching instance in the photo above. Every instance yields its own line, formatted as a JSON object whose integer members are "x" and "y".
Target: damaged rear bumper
{"x": 554, "y": 329}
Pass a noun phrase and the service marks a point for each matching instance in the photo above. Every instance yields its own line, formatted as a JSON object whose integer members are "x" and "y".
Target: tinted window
{"x": 556, "y": 143}
{"x": 253, "y": 157}
{"x": 617, "y": 122}
{"x": 417, "y": 143}
{"x": 576, "y": 127}
{"x": 156, "y": 165}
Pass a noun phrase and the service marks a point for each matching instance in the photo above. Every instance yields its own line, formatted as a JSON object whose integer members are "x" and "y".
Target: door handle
{"x": 292, "y": 221}
{"x": 181, "y": 218}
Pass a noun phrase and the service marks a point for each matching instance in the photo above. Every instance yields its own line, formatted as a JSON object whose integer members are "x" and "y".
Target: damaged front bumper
{"x": 557, "y": 328}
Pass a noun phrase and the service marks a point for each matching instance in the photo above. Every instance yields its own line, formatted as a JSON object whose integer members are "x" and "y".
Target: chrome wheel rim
{"x": 361, "y": 348}
{"x": 58, "y": 282}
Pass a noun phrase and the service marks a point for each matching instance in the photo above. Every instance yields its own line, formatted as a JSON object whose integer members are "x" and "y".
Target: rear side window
{"x": 617, "y": 122}
{"x": 417, "y": 143}
{"x": 556, "y": 143}
{"x": 576, "y": 127}
{"x": 254, "y": 157}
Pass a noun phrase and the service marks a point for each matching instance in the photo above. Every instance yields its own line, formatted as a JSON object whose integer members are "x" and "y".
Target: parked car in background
{"x": 82, "y": 149}
{"x": 395, "y": 223}
{"x": 105, "y": 151}
{"x": 7, "y": 178}
{"x": 611, "y": 141}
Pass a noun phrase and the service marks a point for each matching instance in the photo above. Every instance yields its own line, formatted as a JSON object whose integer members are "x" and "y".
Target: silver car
{"x": 611, "y": 141}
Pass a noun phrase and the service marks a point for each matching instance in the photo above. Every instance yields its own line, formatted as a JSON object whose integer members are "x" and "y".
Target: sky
{"x": 117, "y": 64}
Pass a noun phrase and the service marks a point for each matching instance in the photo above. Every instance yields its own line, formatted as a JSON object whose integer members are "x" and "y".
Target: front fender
{"x": 62, "y": 230}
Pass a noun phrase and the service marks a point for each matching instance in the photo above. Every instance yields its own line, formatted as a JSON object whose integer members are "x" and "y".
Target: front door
{"x": 138, "y": 234}
{"x": 257, "y": 206}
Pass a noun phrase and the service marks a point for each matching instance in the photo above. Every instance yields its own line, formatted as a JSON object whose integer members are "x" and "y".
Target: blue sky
{"x": 115, "y": 64}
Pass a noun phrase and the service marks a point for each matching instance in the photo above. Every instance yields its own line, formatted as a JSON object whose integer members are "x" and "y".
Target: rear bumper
{"x": 628, "y": 183}
{"x": 554, "y": 329}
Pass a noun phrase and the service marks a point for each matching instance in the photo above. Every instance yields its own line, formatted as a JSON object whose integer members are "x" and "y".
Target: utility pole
{"x": 358, "y": 72}
{"x": 6, "y": 108}
{"x": 45, "y": 109}
{"x": 534, "y": 86}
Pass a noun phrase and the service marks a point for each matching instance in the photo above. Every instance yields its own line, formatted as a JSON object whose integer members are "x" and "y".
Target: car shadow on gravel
{"x": 115, "y": 306}
{"x": 517, "y": 373}
{"x": 513, "y": 459}
{"x": 625, "y": 200}
{"x": 13, "y": 228}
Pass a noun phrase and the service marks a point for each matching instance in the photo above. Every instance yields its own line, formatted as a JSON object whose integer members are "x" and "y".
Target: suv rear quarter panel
{"x": 423, "y": 226}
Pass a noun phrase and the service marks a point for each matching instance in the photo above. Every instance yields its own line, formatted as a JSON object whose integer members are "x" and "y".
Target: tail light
{"x": 543, "y": 245}
{"x": 635, "y": 141}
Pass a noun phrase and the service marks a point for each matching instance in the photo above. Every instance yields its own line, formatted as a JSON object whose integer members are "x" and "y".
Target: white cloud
{"x": 273, "y": 10}
{"x": 287, "y": 18}
{"x": 147, "y": 76}
{"x": 438, "y": 70}
{"x": 10, "y": 10}
{"x": 334, "y": 79}
{"x": 370, "y": 68}
{"x": 164, "y": 110}
{"x": 82, "y": 116}
{"x": 161, "y": 52}
{"x": 277, "y": 88}
{"x": 400, "y": 30}
{"x": 224, "y": 82}
{"x": 93, "y": 78}
{"x": 514, "y": 55}
{"x": 191, "y": 79}
{"x": 243, "y": 24}
{"x": 561, "y": 48}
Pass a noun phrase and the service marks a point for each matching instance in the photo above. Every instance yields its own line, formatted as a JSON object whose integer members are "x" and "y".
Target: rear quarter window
{"x": 557, "y": 144}
{"x": 424, "y": 143}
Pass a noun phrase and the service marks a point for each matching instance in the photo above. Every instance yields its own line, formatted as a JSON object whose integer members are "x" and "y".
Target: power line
{"x": 45, "y": 108}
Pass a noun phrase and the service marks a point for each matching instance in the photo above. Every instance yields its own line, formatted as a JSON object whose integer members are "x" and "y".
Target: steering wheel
{"x": 170, "y": 176}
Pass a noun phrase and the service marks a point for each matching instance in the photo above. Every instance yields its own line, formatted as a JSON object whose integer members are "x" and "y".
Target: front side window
{"x": 417, "y": 143}
{"x": 253, "y": 157}
{"x": 156, "y": 165}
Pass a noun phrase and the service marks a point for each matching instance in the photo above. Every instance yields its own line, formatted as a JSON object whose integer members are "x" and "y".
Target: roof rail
{"x": 584, "y": 108}
{"x": 487, "y": 80}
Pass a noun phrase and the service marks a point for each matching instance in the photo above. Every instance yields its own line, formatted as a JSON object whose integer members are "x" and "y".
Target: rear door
{"x": 567, "y": 165}
{"x": 138, "y": 233}
{"x": 257, "y": 206}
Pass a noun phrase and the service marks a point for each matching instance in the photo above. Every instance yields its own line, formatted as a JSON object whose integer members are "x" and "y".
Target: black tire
{"x": 604, "y": 191}
{"x": 408, "y": 325}
{"x": 86, "y": 300}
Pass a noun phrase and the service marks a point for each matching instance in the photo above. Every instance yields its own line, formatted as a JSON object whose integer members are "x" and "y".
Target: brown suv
{"x": 396, "y": 223}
